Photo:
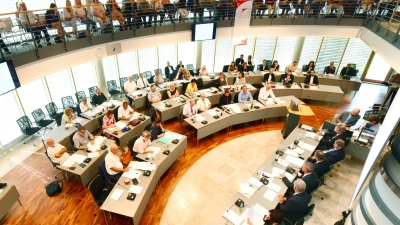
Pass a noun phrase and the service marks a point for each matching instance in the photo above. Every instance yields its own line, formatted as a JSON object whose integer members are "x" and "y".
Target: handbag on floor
{"x": 54, "y": 188}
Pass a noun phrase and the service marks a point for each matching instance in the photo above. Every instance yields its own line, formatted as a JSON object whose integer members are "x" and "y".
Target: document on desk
{"x": 233, "y": 217}
{"x": 77, "y": 120}
{"x": 282, "y": 162}
{"x": 298, "y": 150}
{"x": 142, "y": 166}
{"x": 291, "y": 152}
{"x": 274, "y": 187}
{"x": 313, "y": 135}
{"x": 172, "y": 135}
{"x": 117, "y": 194}
{"x": 313, "y": 87}
{"x": 212, "y": 112}
{"x": 132, "y": 174}
{"x": 253, "y": 182}
{"x": 68, "y": 163}
{"x": 306, "y": 127}
{"x": 115, "y": 102}
{"x": 93, "y": 147}
{"x": 136, "y": 189}
{"x": 294, "y": 160}
{"x": 136, "y": 93}
{"x": 276, "y": 171}
{"x": 98, "y": 140}
{"x": 161, "y": 106}
{"x": 69, "y": 125}
{"x": 93, "y": 155}
{"x": 120, "y": 124}
{"x": 270, "y": 195}
{"x": 261, "y": 211}
{"x": 251, "y": 214}
{"x": 1, "y": 190}
{"x": 235, "y": 108}
{"x": 77, "y": 158}
{"x": 306, "y": 146}
{"x": 155, "y": 149}
{"x": 246, "y": 190}
{"x": 289, "y": 176}
{"x": 90, "y": 113}
{"x": 199, "y": 118}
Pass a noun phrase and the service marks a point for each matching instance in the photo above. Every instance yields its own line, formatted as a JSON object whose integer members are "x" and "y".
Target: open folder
{"x": 250, "y": 187}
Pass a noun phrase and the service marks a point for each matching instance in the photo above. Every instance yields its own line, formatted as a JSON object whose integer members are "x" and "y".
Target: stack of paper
{"x": 93, "y": 147}
{"x": 120, "y": 124}
{"x": 199, "y": 118}
{"x": 274, "y": 187}
{"x": 245, "y": 188}
{"x": 132, "y": 174}
{"x": 306, "y": 127}
{"x": 142, "y": 166}
{"x": 291, "y": 152}
{"x": 296, "y": 161}
{"x": 313, "y": 135}
{"x": 117, "y": 194}
{"x": 172, "y": 135}
{"x": 77, "y": 158}
{"x": 276, "y": 171}
{"x": 282, "y": 162}
{"x": 68, "y": 163}
{"x": 280, "y": 102}
{"x": 136, "y": 189}
{"x": 212, "y": 112}
{"x": 233, "y": 217}
{"x": 270, "y": 194}
{"x": 90, "y": 113}
{"x": 98, "y": 140}
{"x": 299, "y": 150}
{"x": 156, "y": 150}
{"x": 306, "y": 146}
{"x": 93, "y": 155}
{"x": 235, "y": 108}
{"x": 253, "y": 182}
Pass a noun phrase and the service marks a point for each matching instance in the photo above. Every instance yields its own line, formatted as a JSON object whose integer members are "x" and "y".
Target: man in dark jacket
{"x": 329, "y": 138}
{"x": 321, "y": 165}
{"x": 307, "y": 175}
{"x": 295, "y": 206}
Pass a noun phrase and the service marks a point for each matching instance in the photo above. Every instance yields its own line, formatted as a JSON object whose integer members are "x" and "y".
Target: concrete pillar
{"x": 98, "y": 65}
{"x": 199, "y": 52}
{"x": 298, "y": 49}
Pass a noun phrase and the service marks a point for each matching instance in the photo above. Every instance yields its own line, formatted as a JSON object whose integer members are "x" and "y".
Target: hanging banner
{"x": 242, "y": 22}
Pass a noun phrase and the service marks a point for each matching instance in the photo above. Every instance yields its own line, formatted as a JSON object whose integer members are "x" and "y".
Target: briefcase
{"x": 134, "y": 122}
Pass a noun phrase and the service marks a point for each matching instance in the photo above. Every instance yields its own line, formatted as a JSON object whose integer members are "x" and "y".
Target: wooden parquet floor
{"x": 75, "y": 204}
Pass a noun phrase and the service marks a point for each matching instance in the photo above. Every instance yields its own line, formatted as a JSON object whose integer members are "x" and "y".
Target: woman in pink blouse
{"x": 109, "y": 122}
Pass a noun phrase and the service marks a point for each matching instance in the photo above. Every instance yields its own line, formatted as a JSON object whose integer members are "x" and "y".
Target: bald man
{"x": 56, "y": 152}
{"x": 203, "y": 104}
{"x": 114, "y": 166}
{"x": 265, "y": 92}
{"x": 348, "y": 118}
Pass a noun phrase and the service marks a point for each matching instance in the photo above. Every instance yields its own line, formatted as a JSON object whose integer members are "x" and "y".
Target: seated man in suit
{"x": 306, "y": 174}
{"x": 348, "y": 70}
{"x": 239, "y": 61}
{"x": 225, "y": 99}
{"x": 263, "y": 66}
{"x": 321, "y": 165}
{"x": 336, "y": 153}
{"x": 168, "y": 70}
{"x": 311, "y": 79}
{"x": 287, "y": 78}
{"x": 331, "y": 69}
{"x": 295, "y": 206}
{"x": 113, "y": 163}
{"x": 329, "y": 138}
{"x": 56, "y": 152}
{"x": 347, "y": 118}
{"x": 98, "y": 98}
{"x": 269, "y": 77}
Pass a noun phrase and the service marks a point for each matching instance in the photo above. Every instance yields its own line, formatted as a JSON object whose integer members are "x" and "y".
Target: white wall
{"x": 51, "y": 65}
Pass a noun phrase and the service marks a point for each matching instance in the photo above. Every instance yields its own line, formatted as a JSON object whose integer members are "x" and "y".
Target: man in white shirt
{"x": 142, "y": 143}
{"x": 56, "y": 152}
{"x": 203, "y": 104}
{"x": 114, "y": 166}
{"x": 130, "y": 87}
{"x": 158, "y": 78}
{"x": 85, "y": 105}
{"x": 190, "y": 109}
{"x": 154, "y": 95}
{"x": 125, "y": 112}
{"x": 265, "y": 92}
{"x": 142, "y": 82}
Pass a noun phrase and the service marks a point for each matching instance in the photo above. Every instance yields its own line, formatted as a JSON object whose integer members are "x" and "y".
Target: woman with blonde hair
{"x": 68, "y": 116}
{"x": 81, "y": 14}
{"x": 186, "y": 74}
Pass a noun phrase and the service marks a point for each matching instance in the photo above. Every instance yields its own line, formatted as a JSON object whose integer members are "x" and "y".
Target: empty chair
{"x": 225, "y": 68}
{"x": 113, "y": 88}
{"x": 68, "y": 102}
{"x": 255, "y": 95}
{"x": 135, "y": 77}
{"x": 53, "y": 110}
{"x": 199, "y": 83}
{"x": 147, "y": 74}
{"x": 92, "y": 91}
{"x": 99, "y": 195}
{"x": 122, "y": 81}
{"x": 26, "y": 127}
{"x": 191, "y": 69}
{"x": 79, "y": 96}
{"x": 40, "y": 118}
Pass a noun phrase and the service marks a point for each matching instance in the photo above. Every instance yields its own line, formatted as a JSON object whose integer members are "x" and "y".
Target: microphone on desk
{"x": 131, "y": 196}
{"x": 87, "y": 160}
{"x": 175, "y": 141}
{"x": 166, "y": 151}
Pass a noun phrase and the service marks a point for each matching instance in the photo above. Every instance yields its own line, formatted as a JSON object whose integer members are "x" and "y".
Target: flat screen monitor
{"x": 8, "y": 77}
{"x": 204, "y": 31}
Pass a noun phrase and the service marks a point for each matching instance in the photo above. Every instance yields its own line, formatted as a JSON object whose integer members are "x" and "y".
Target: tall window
{"x": 310, "y": 50}
{"x": 245, "y": 49}
{"x": 264, "y": 49}
{"x": 167, "y": 53}
{"x": 186, "y": 53}
{"x": 110, "y": 69}
{"x": 357, "y": 52}
{"x": 11, "y": 114}
{"x": 331, "y": 50}
{"x": 207, "y": 56}
{"x": 33, "y": 96}
{"x": 127, "y": 64}
{"x": 223, "y": 54}
{"x": 84, "y": 77}
{"x": 284, "y": 50}
{"x": 147, "y": 60}
{"x": 378, "y": 69}
{"x": 60, "y": 85}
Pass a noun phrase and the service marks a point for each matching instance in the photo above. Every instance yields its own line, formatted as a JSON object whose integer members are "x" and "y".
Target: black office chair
{"x": 199, "y": 83}
{"x": 116, "y": 114}
{"x": 92, "y": 91}
{"x": 58, "y": 118}
{"x": 79, "y": 96}
{"x": 147, "y": 74}
{"x": 310, "y": 210}
{"x": 304, "y": 68}
{"x": 190, "y": 67}
{"x": 40, "y": 119}
{"x": 269, "y": 64}
{"x": 259, "y": 66}
{"x": 236, "y": 98}
{"x": 122, "y": 81}
{"x": 53, "y": 110}
{"x": 135, "y": 77}
{"x": 184, "y": 86}
{"x": 71, "y": 139}
{"x": 112, "y": 88}
{"x": 130, "y": 145}
{"x": 256, "y": 94}
{"x": 55, "y": 165}
{"x": 198, "y": 72}
{"x": 210, "y": 84}
{"x": 78, "y": 110}
{"x": 99, "y": 195}
{"x": 26, "y": 127}
{"x": 151, "y": 80}
{"x": 68, "y": 102}
{"x": 250, "y": 68}
{"x": 225, "y": 68}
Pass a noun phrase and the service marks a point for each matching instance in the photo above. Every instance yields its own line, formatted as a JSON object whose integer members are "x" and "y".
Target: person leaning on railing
{"x": 32, "y": 24}
{"x": 336, "y": 4}
{"x": 114, "y": 12}
{"x": 272, "y": 8}
{"x": 81, "y": 13}
{"x": 53, "y": 21}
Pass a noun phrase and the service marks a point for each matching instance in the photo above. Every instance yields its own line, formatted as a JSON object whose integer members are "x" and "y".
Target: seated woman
{"x": 68, "y": 116}
{"x": 186, "y": 74}
{"x": 70, "y": 18}
{"x": 114, "y": 11}
{"x": 172, "y": 92}
{"x": 310, "y": 66}
{"x": 240, "y": 80}
{"x": 203, "y": 71}
{"x": 275, "y": 65}
{"x": 222, "y": 81}
{"x": 192, "y": 87}
{"x": 157, "y": 129}
{"x": 53, "y": 21}
{"x": 109, "y": 122}
{"x": 232, "y": 67}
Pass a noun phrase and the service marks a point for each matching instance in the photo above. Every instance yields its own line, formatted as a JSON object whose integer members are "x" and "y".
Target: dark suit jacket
{"x": 168, "y": 71}
{"x": 283, "y": 76}
{"x": 262, "y": 68}
{"x": 307, "y": 68}
{"x": 266, "y": 77}
{"x": 335, "y": 156}
{"x": 329, "y": 139}
{"x": 295, "y": 208}
{"x": 308, "y": 78}
{"x": 177, "y": 66}
{"x": 321, "y": 168}
{"x": 222, "y": 100}
{"x": 239, "y": 61}
{"x": 311, "y": 181}
{"x": 247, "y": 69}
{"x": 327, "y": 70}
{"x": 350, "y": 72}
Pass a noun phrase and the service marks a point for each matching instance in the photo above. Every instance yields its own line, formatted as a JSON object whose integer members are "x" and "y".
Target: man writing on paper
{"x": 81, "y": 138}
{"x": 348, "y": 118}
{"x": 142, "y": 143}
{"x": 113, "y": 163}
{"x": 307, "y": 175}
{"x": 295, "y": 206}
{"x": 190, "y": 109}
{"x": 56, "y": 152}
{"x": 265, "y": 92}
{"x": 125, "y": 112}
{"x": 203, "y": 104}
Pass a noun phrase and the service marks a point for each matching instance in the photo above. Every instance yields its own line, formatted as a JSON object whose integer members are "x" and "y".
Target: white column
{"x": 98, "y": 64}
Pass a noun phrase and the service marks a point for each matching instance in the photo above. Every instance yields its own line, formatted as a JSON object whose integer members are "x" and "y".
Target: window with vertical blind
{"x": 60, "y": 85}
{"x": 357, "y": 52}
{"x": 331, "y": 50}
{"x": 127, "y": 64}
{"x": 186, "y": 53}
{"x": 147, "y": 60}
{"x": 84, "y": 77}
{"x": 207, "y": 56}
{"x": 166, "y": 53}
{"x": 10, "y": 115}
{"x": 110, "y": 68}
{"x": 264, "y": 49}
{"x": 223, "y": 54}
{"x": 284, "y": 51}
{"x": 245, "y": 49}
{"x": 310, "y": 50}
{"x": 33, "y": 96}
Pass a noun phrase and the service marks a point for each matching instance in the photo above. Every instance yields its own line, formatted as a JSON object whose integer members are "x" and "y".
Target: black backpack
{"x": 53, "y": 188}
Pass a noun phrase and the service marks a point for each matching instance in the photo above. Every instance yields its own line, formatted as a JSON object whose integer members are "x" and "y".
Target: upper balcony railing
{"x": 44, "y": 33}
